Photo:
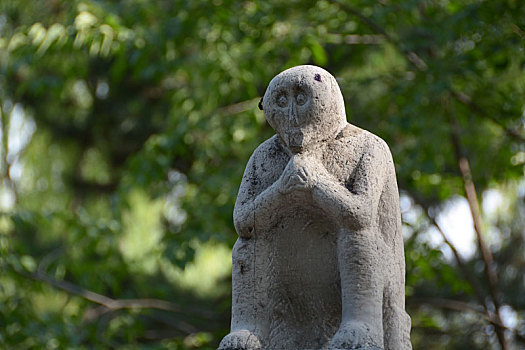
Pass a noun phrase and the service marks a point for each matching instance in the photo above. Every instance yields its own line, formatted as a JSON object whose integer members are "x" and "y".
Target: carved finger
{"x": 302, "y": 174}
{"x": 286, "y": 184}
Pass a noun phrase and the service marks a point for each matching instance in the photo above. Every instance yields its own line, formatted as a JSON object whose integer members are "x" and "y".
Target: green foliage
{"x": 126, "y": 126}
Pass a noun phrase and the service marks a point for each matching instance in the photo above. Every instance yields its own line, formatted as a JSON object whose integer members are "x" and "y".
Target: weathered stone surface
{"x": 319, "y": 263}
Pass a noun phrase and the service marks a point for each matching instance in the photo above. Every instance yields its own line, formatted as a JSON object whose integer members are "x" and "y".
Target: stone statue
{"x": 319, "y": 263}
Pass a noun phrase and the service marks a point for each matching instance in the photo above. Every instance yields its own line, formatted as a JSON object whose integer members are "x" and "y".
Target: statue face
{"x": 304, "y": 105}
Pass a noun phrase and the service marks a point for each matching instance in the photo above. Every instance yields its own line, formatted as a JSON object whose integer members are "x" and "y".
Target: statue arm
{"x": 354, "y": 208}
{"x": 252, "y": 202}
{"x": 243, "y": 213}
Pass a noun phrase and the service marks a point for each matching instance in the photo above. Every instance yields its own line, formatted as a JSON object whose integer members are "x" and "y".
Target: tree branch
{"x": 421, "y": 65}
{"x": 449, "y": 304}
{"x": 467, "y": 101}
{"x": 461, "y": 306}
{"x": 467, "y": 274}
{"x": 486, "y": 254}
{"x": 5, "y": 165}
{"x": 114, "y": 304}
{"x": 493, "y": 317}
{"x": 239, "y": 107}
{"x": 409, "y": 54}
{"x": 365, "y": 39}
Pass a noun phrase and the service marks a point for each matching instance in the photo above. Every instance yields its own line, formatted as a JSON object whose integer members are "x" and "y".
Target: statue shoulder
{"x": 367, "y": 141}
{"x": 361, "y": 142}
{"x": 268, "y": 157}
{"x": 269, "y": 150}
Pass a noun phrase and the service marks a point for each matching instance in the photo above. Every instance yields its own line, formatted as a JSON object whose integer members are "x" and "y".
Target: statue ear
{"x": 261, "y": 104}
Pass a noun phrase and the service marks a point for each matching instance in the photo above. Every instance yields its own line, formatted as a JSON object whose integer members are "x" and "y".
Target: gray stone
{"x": 319, "y": 263}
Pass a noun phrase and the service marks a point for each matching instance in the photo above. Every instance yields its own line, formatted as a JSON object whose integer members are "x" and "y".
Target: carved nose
{"x": 293, "y": 114}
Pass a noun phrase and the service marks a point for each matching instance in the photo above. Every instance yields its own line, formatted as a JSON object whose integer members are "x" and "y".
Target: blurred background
{"x": 126, "y": 127}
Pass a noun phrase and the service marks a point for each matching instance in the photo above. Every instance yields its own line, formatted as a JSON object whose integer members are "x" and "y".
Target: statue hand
{"x": 294, "y": 179}
{"x": 302, "y": 173}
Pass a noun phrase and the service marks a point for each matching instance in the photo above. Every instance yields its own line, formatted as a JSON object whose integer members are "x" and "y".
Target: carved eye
{"x": 301, "y": 99}
{"x": 282, "y": 101}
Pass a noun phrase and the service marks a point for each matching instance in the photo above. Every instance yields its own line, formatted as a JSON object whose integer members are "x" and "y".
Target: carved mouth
{"x": 295, "y": 141}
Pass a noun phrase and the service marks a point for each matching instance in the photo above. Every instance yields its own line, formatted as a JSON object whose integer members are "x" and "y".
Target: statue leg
{"x": 361, "y": 264}
{"x": 243, "y": 334}
{"x": 396, "y": 322}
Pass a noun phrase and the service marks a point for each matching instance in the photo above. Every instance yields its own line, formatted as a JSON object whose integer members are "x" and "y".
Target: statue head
{"x": 304, "y": 105}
